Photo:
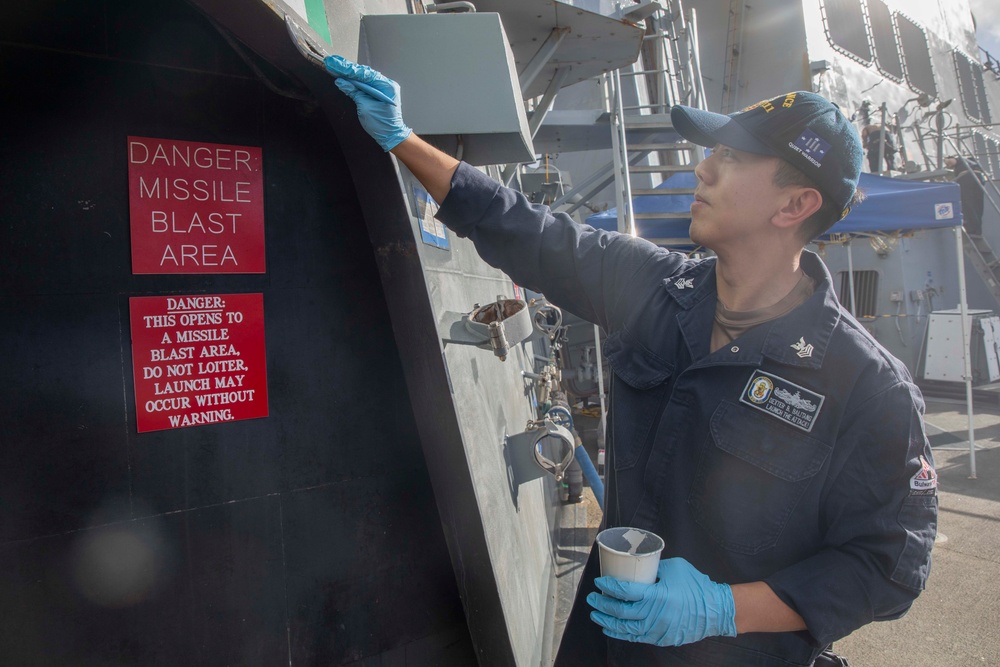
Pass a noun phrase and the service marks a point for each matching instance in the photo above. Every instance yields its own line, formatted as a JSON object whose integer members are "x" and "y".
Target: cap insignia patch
{"x": 811, "y": 147}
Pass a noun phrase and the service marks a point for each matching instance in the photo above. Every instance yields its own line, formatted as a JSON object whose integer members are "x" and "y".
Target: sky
{"x": 987, "y": 14}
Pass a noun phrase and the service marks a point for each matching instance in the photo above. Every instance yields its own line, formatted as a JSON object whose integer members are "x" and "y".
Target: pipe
{"x": 561, "y": 414}
{"x": 542, "y": 57}
{"x": 850, "y": 275}
{"x": 700, "y": 100}
{"x": 623, "y": 189}
{"x": 535, "y": 122}
{"x": 881, "y": 139}
{"x": 458, "y": 7}
{"x": 600, "y": 379}
{"x": 590, "y": 474}
{"x": 966, "y": 341}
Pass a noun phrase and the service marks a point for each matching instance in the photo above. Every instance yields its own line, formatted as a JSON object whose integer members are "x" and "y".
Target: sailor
{"x": 878, "y": 139}
{"x": 777, "y": 448}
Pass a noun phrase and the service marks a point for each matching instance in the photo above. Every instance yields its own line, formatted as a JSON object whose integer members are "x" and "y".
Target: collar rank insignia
{"x": 802, "y": 349}
{"x": 683, "y": 283}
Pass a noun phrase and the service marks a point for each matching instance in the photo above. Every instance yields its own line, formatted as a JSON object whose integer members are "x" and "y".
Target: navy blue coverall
{"x": 795, "y": 455}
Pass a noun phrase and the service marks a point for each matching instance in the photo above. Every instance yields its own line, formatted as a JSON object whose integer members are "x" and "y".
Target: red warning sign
{"x": 198, "y": 359}
{"x": 195, "y": 207}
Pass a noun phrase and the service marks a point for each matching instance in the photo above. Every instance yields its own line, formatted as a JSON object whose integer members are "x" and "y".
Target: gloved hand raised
{"x": 376, "y": 97}
{"x": 682, "y": 607}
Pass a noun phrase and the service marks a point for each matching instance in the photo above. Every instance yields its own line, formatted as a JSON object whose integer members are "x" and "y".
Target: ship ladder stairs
{"x": 984, "y": 261}
{"x": 977, "y": 248}
{"x": 645, "y": 148}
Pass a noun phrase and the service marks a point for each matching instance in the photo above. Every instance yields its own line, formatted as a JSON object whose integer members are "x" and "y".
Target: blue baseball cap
{"x": 802, "y": 128}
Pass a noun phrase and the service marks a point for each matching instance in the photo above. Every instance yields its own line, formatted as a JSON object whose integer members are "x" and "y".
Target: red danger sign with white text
{"x": 198, "y": 359}
{"x": 195, "y": 207}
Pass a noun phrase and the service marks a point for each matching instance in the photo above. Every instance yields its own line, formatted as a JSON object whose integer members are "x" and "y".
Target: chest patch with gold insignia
{"x": 782, "y": 399}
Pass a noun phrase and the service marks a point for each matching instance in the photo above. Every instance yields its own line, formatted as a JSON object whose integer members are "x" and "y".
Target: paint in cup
{"x": 630, "y": 554}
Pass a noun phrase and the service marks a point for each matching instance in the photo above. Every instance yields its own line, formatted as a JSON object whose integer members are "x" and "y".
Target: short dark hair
{"x": 828, "y": 214}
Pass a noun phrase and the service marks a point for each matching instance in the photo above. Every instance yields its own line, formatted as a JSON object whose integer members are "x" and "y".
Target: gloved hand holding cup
{"x": 661, "y": 602}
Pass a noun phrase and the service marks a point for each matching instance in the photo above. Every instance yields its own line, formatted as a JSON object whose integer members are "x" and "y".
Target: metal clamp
{"x": 553, "y": 439}
{"x": 547, "y": 319}
{"x": 497, "y": 326}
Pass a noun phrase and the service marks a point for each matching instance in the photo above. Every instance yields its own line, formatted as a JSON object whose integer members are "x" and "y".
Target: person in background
{"x": 969, "y": 175}
{"x": 873, "y": 136}
{"x": 777, "y": 448}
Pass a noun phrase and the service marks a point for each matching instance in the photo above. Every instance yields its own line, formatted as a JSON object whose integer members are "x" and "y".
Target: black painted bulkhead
{"x": 310, "y": 536}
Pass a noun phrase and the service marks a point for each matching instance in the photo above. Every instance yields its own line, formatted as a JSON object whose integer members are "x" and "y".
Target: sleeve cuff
{"x": 471, "y": 193}
{"x": 827, "y": 594}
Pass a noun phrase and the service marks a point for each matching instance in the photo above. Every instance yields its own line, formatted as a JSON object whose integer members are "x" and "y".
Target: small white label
{"x": 945, "y": 211}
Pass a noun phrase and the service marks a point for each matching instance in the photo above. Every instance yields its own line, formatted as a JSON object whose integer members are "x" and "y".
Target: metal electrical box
{"x": 944, "y": 359}
{"x": 457, "y": 77}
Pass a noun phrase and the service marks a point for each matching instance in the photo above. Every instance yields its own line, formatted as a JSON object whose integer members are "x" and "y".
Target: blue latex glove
{"x": 376, "y": 97}
{"x": 683, "y": 606}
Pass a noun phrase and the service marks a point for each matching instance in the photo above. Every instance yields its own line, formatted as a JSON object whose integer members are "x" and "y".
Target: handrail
{"x": 623, "y": 190}
{"x": 960, "y": 151}
{"x": 457, "y": 7}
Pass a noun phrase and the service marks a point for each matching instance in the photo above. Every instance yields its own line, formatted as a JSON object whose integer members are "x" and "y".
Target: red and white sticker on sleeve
{"x": 924, "y": 483}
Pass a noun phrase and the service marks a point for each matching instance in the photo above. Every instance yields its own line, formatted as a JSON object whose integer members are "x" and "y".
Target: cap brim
{"x": 707, "y": 128}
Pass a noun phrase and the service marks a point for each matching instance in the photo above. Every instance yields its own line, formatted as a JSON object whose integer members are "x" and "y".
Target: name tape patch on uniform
{"x": 924, "y": 483}
{"x": 785, "y": 400}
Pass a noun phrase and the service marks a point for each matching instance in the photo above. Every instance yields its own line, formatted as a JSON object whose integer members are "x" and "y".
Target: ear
{"x": 798, "y": 205}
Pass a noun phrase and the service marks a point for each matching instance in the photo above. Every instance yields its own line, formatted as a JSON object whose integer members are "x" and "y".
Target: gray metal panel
{"x": 595, "y": 44}
{"x": 945, "y": 347}
{"x": 490, "y": 400}
{"x": 566, "y": 130}
{"x": 390, "y": 228}
{"x": 458, "y": 77}
{"x": 464, "y": 400}
{"x": 925, "y": 260}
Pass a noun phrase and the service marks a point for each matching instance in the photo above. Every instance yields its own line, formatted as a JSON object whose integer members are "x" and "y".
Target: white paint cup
{"x": 630, "y": 554}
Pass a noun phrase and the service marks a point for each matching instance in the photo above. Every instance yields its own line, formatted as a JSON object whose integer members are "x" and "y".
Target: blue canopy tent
{"x": 896, "y": 205}
{"x": 891, "y": 205}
